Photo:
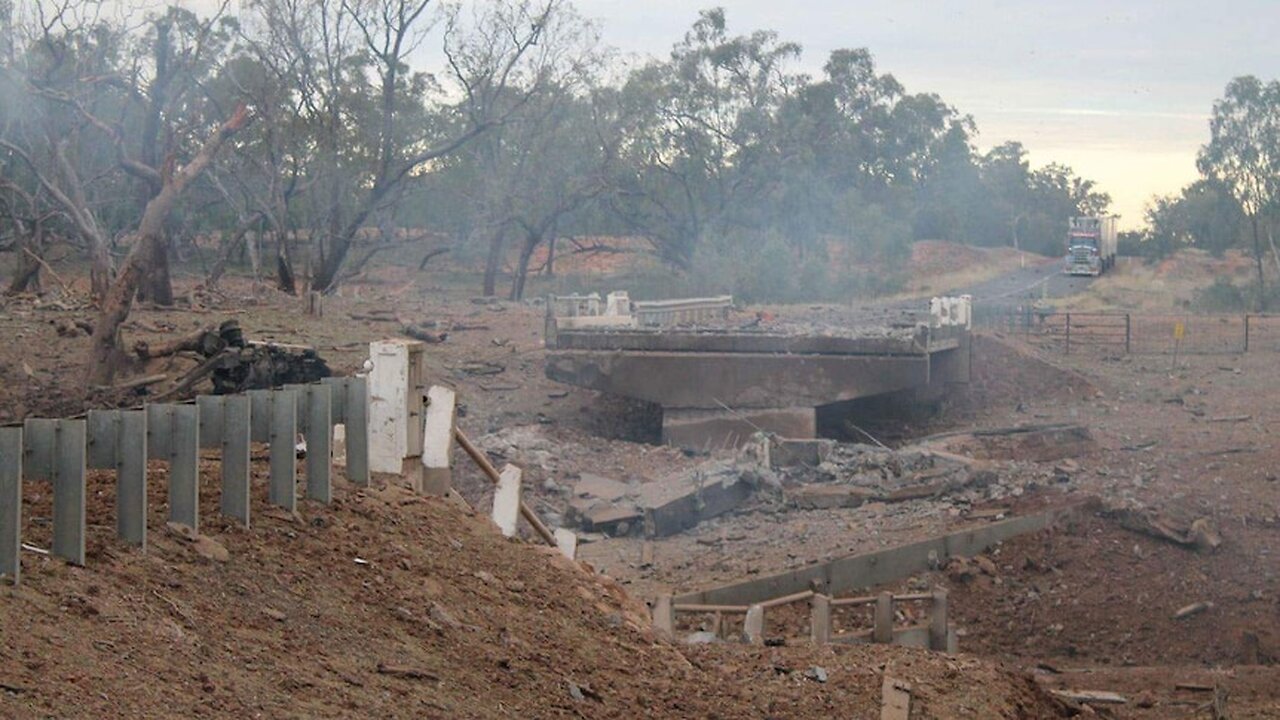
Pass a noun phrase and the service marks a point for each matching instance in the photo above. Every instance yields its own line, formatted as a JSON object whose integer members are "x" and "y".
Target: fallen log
{"x": 144, "y": 381}
{"x": 205, "y": 341}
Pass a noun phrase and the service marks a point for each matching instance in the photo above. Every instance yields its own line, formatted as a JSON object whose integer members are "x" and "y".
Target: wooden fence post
{"x": 1128, "y": 334}
{"x": 1246, "y": 332}
{"x": 1068, "y": 349}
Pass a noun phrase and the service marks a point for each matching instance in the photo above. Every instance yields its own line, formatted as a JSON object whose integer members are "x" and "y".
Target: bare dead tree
{"x": 105, "y": 344}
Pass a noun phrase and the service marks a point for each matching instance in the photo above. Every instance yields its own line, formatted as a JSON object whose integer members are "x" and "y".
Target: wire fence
{"x": 1132, "y": 333}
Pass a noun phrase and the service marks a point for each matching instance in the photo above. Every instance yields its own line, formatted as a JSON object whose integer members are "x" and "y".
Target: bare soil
{"x": 466, "y": 624}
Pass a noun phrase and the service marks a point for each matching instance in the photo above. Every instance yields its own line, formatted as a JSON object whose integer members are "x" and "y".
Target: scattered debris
{"x": 405, "y": 673}
{"x": 1092, "y": 697}
{"x": 1192, "y": 609}
{"x": 1199, "y": 533}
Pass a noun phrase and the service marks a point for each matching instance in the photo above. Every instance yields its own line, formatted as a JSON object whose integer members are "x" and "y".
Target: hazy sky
{"x": 1120, "y": 90}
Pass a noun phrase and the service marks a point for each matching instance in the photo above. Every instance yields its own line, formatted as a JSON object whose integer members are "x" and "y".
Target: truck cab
{"x": 1091, "y": 245}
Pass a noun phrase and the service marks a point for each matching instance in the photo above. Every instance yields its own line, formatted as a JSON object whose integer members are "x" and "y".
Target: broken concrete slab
{"x": 895, "y": 699}
{"x": 1037, "y": 443}
{"x": 681, "y": 503}
{"x": 600, "y": 487}
{"x": 606, "y": 518}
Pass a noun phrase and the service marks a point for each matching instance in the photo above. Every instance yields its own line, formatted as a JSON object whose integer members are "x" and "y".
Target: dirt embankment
{"x": 385, "y": 604}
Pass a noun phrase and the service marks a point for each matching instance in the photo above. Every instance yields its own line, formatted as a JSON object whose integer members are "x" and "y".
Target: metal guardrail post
{"x": 11, "y": 503}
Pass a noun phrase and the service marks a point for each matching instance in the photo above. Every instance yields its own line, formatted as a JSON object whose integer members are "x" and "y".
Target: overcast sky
{"x": 1120, "y": 90}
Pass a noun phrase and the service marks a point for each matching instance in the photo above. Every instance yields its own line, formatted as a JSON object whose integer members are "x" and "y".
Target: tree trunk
{"x": 1257, "y": 256}
{"x": 26, "y": 273}
{"x": 531, "y": 243}
{"x": 286, "y": 278}
{"x": 493, "y": 263}
{"x": 157, "y": 285}
{"x": 551, "y": 257}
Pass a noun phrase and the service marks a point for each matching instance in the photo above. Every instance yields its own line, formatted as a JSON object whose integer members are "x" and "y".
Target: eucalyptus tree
{"x": 1243, "y": 154}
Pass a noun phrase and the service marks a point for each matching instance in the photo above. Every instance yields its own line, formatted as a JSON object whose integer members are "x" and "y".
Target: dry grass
{"x": 1168, "y": 285}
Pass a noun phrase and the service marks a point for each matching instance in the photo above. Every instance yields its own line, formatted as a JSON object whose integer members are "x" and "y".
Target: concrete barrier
{"x": 858, "y": 572}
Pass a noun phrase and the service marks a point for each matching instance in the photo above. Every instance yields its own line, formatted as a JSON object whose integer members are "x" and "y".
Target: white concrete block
{"x": 437, "y": 440}
{"x": 567, "y": 542}
{"x": 506, "y": 501}
{"x": 395, "y": 403}
{"x": 618, "y": 304}
{"x": 753, "y": 626}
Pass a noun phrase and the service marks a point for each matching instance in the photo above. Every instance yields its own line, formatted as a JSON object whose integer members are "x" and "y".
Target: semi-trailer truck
{"x": 1091, "y": 245}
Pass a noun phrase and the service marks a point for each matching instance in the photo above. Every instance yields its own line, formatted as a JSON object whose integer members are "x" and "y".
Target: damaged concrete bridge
{"x": 719, "y": 383}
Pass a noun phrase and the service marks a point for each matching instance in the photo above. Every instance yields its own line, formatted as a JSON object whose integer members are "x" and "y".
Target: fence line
{"x": 936, "y": 635}
{"x": 60, "y": 451}
{"x": 1134, "y": 333}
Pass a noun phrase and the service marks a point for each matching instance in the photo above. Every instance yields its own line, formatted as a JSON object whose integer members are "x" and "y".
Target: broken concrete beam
{"x": 791, "y": 452}
{"x": 506, "y": 500}
{"x": 706, "y": 495}
{"x": 437, "y": 441}
{"x": 826, "y": 497}
{"x": 567, "y": 543}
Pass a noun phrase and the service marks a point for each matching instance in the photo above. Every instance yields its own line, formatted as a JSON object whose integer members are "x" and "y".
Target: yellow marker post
{"x": 1179, "y": 331}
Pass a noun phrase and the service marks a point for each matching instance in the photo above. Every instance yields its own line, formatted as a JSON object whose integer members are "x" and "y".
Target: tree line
{"x": 1236, "y": 202}
{"x": 305, "y": 136}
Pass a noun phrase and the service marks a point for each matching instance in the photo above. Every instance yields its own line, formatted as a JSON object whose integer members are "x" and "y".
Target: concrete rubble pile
{"x": 822, "y": 474}
{"x": 669, "y": 505}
